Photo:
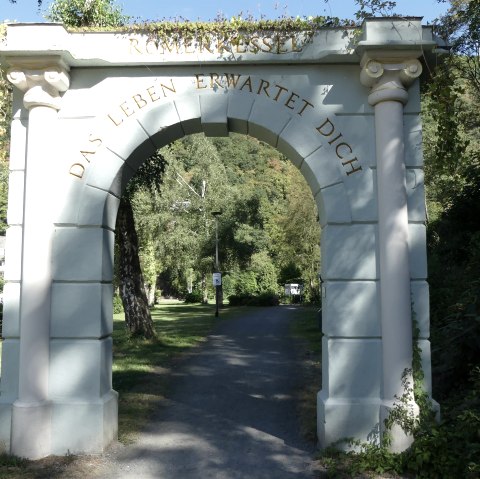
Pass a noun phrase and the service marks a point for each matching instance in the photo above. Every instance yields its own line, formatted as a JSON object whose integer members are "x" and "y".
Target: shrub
{"x": 264, "y": 299}
{"x": 267, "y": 299}
{"x": 194, "y": 297}
{"x": 117, "y": 304}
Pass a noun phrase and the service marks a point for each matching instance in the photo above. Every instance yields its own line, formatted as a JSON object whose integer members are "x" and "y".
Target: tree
{"x": 460, "y": 27}
{"x": 5, "y": 121}
{"x": 138, "y": 319}
{"x": 86, "y": 13}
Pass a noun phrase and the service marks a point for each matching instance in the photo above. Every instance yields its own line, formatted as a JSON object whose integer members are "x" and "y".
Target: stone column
{"x": 389, "y": 79}
{"x": 42, "y": 81}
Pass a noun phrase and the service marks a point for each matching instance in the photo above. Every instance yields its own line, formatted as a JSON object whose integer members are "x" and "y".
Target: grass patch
{"x": 141, "y": 375}
{"x": 305, "y": 329}
{"x": 141, "y": 368}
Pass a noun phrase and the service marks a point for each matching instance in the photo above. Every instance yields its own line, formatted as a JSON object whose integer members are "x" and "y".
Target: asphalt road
{"x": 231, "y": 412}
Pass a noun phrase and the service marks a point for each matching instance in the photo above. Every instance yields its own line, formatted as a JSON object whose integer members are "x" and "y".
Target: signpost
{"x": 217, "y": 276}
{"x": 217, "y": 279}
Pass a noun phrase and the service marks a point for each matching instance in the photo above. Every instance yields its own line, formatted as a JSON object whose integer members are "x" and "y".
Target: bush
{"x": 117, "y": 304}
{"x": 267, "y": 299}
{"x": 194, "y": 297}
{"x": 264, "y": 299}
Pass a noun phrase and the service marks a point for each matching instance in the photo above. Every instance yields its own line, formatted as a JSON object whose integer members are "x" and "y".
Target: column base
{"x": 5, "y": 426}
{"x": 84, "y": 427}
{"x": 31, "y": 429}
{"x": 59, "y": 427}
{"x": 344, "y": 422}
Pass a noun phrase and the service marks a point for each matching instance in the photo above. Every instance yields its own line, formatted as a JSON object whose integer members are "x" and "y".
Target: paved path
{"x": 231, "y": 411}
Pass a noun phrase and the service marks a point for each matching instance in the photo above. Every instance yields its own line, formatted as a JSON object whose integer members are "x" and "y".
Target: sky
{"x": 27, "y": 10}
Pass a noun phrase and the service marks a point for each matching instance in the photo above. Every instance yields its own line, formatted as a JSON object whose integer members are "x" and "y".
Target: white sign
{"x": 217, "y": 279}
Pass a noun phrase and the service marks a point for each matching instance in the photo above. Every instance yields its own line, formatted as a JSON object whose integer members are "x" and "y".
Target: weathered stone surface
{"x": 80, "y": 368}
{"x": 351, "y": 252}
{"x": 81, "y": 310}
{"x": 82, "y": 254}
{"x": 13, "y": 254}
{"x": 11, "y": 310}
{"x": 351, "y": 309}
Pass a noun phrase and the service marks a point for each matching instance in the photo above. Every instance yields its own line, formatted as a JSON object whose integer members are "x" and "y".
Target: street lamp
{"x": 217, "y": 278}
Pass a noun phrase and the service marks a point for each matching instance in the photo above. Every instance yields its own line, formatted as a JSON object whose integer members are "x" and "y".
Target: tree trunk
{"x": 137, "y": 315}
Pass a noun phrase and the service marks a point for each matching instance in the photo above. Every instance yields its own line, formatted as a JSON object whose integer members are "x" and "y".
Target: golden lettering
{"x": 281, "y": 89}
{"x": 264, "y": 84}
{"x": 291, "y": 99}
{"x": 77, "y": 170}
{"x": 165, "y": 87}
{"x": 200, "y": 84}
{"x": 134, "y": 45}
{"x": 281, "y": 41}
{"x": 204, "y": 46}
{"x": 114, "y": 121}
{"x": 306, "y": 104}
{"x": 255, "y": 43}
{"x": 139, "y": 101}
{"x": 85, "y": 153}
{"x": 345, "y": 145}
{"x": 335, "y": 139}
{"x": 214, "y": 80}
{"x": 275, "y": 44}
{"x": 170, "y": 47}
{"x": 268, "y": 44}
{"x": 223, "y": 45}
{"x": 98, "y": 141}
{"x": 153, "y": 94}
{"x": 151, "y": 47}
{"x": 126, "y": 109}
{"x": 232, "y": 79}
{"x": 353, "y": 169}
{"x": 320, "y": 128}
{"x": 240, "y": 44}
{"x": 248, "y": 82}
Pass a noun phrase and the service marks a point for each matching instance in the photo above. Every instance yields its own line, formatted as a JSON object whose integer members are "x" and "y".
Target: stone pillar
{"x": 388, "y": 79}
{"x": 42, "y": 81}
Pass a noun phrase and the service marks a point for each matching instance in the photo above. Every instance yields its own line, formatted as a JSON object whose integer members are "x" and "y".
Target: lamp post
{"x": 217, "y": 277}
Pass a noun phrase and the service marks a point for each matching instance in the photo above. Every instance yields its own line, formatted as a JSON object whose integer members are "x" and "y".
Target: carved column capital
{"x": 389, "y": 79}
{"x": 42, "y": 86}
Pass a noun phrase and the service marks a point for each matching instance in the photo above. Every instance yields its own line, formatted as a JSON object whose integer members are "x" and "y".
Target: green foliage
{"x": 141, "y": 367}
{"x": 4, "y": 173}
{"x": 460, "y": 27}
{"x": 86, "y": 13}
{"x": 374, "y": 8}
{"x": 441, "y": 450}
{"x": 117, "y": 304}
{"x": 262, "y": 299}
{"x": 194, "y": 297}
{"x": 5, "y": 121}
{"x": 259, "y": 193}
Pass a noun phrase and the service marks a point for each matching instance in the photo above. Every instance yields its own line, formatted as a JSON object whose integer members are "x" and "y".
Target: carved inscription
{"x": 293, "y": 101}
{"x": 140, "y": 100}
{"x": 274, "y": 44}
{"x": 342, "y": 149}
{"x": 258, "y": 86}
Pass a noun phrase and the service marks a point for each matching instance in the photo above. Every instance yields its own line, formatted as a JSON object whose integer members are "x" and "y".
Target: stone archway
{"x": 96, "y": 105}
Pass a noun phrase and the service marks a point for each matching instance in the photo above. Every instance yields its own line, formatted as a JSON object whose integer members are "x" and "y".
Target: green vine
{"x": 233, "y": 31}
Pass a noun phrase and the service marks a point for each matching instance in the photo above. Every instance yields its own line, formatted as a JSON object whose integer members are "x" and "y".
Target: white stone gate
{"x": 89, "y": 108}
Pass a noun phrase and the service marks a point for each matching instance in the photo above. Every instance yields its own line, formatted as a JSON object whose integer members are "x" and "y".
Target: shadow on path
{"x": 231, "y": 412}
